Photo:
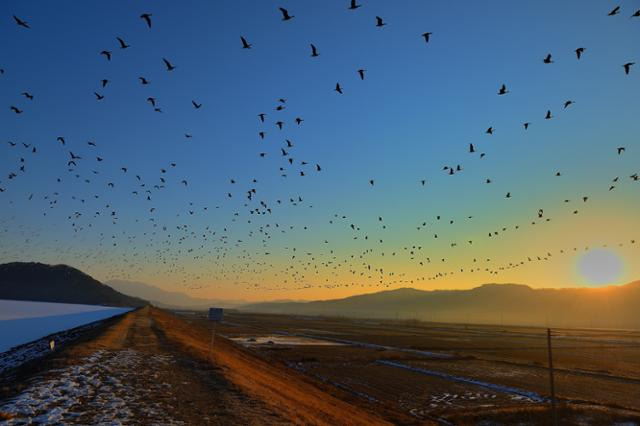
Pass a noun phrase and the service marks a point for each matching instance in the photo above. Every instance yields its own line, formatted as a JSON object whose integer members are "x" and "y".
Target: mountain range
{"x": 514, "y": 304}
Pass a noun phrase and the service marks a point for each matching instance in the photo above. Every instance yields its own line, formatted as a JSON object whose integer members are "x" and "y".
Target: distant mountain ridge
{"x": 58, "y": 283}
{"x": 514, "y": 304}
{"x": 169, "y": 299}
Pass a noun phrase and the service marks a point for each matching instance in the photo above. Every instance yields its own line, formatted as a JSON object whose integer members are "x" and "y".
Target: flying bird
{"x": 636, "y": 15}
{"x": 285, "y": 14}
{"x": 147, "y": 18}
{"x": 27, "y": 95}
{"x": 20, "y": 22}
{"x": 354, "y": 5}
{"x": 361, "y": 73}
{"x": 503, "y": 90}
{"x": 61, "y": 140}
{"x": 314, "y": 51}
{"x": 380, "y": 22}
{"x": 123, "y": 45}
{"x": 579, "y": 51}
{"x": 15, "y": 109}
{"x": 168, "y": 64}
{"x": 99, "y": 97}
{"x": 568, "y": 103}
{"x": 526, "y": 125}
{"x": 621, "y": 149}
{"x": 261, "y": 115}
{"x": 107, "y": 54}
{"x": 548, "y": 116}
{"x": 143, "y": 80}
{"x": 196, "y": 105}
{"x": 426, "y": 36}
{"x": 614, "y": 11}
{"x": 152, "y": 101}
{"x": 547, "y": 59}
{"x": 338, "y": 88}
{"x": 471, "y": 148}
{"x": 104, "y": 82}
{"x": 489, "y": 131}
{"x": 627, "y": 67}
{"x": 245, "y": 43}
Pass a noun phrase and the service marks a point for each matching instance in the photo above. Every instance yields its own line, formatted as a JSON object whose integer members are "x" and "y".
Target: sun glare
{"x": 600, "y": 266}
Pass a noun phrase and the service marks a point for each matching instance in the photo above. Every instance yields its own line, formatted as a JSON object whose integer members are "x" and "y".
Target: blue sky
{"x": 417, "y": 110}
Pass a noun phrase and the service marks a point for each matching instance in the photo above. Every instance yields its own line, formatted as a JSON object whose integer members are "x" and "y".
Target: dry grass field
{"x": 463, "y": 374}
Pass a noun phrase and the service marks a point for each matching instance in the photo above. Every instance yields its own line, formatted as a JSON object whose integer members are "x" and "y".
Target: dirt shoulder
{"x": 288, "y": 392}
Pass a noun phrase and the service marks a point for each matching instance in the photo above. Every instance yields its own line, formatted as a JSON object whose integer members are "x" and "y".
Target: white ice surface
{"x": 22, "y": 321}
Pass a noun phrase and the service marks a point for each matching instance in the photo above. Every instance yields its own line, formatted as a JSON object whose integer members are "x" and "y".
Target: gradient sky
{"x": 417, "y": 110}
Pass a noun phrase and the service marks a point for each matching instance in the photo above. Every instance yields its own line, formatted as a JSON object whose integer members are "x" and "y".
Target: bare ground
{"x": 151, "y": 368}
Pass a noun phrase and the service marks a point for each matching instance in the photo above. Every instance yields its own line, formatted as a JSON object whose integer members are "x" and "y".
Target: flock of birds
{"x": 232, "y": 259}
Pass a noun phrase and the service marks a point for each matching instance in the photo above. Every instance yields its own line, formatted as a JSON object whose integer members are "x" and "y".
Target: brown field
{"x": 597, "y": 372}
{"x": 153, "y": 367}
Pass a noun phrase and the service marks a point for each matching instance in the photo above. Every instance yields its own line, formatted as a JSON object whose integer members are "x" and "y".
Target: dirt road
{"x": 134, "y": 373}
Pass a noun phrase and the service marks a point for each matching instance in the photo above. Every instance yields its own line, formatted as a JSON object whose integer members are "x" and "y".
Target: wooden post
{"x": 551, "y": 381}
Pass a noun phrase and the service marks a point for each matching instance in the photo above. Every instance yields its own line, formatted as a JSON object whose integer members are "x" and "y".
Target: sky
{"x": 417, "y": 110}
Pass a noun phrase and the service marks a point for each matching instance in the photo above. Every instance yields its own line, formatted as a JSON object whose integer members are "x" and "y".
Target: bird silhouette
{"x": 143, "y": 80}
{"x": 245, "y": 43}
{"x": 526, "y": 125}
{"x": 20, "y": 22}
{"x": 621, "y": 149}
{"x": 636, "y": 14}
{"x": 361, "y": 73}
{"x": 547, "y": 59}
{"x": 299, "y": 120}
{"x": 614, "y": 11}
{"x": 152, "y": 101}
{"x": 503, "y": 90}
{"x": 99, "y": 97}
{"x": 568, "y": 103}
{"x": 27, "y": 95}
{"x": 285, "y": 14}
{"x": 196, "y": 105}
{"x": 353, "y": 5}
{"x": 579, "y": 51}
{"x": 426, "y": 36}
{"x": 380, "y": 22}
{"x": 262, "y": 115}
{"x": 107, "y": 54}
{"x": 627, "y": 67}
{"x": 147, "y": 18}
{"x": 489, "y": 131}
{"x": 338, "y": 88}
{"x": 314, "y": 51}
{"x": 61, "y": 140}
{"x": 168, "y": 64}
{"x": 471, "y": 148}
{"x": 548, "y": 116}
{"x": 104, "y": 82}
{"x": 15, "y": 109}
{"x": 123, "y": 45}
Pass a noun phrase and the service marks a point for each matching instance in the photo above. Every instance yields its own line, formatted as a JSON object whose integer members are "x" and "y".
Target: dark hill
{"x": 59, "y": 283}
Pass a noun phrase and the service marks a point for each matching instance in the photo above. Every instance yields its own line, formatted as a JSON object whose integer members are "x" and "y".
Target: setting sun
{"x": 600, "y": 266}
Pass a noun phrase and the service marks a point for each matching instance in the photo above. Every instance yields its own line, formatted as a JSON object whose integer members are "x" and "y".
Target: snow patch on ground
{"x": 518, "y": 394}
{"x": 97, "y": 391}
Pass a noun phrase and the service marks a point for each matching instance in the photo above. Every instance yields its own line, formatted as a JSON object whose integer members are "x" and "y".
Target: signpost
{"x": 215, "y": 315}
{"x": 551, "y": 384}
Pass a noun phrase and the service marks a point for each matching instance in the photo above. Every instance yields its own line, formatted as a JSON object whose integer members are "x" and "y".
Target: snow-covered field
{"x": 22, "y": 322}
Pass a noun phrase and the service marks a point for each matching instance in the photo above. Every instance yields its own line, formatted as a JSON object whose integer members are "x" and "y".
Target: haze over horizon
{"x": 360, "y": 219}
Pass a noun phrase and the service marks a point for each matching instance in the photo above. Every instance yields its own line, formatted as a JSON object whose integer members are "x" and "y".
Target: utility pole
{"x": 551, "y": 382}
